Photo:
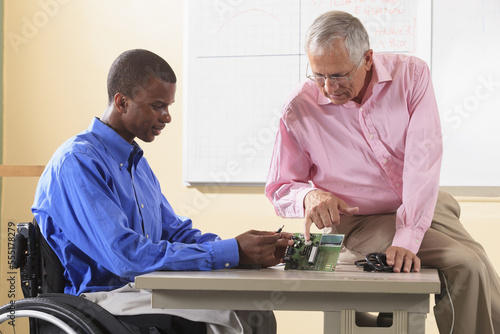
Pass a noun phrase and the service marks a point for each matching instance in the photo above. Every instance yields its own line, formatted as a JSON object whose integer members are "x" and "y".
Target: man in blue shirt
{"x": 100, "y": 206}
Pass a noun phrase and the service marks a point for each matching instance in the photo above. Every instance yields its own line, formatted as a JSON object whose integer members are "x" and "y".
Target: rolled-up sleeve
{"x": 287, "y": 182}
{"x": 422, "y": 165}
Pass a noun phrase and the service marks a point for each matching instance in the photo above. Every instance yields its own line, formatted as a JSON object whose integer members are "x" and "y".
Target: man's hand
{"x": 323, "y": 209}
{"x": 264, "y": 248}
{"x": 400, "y": 257}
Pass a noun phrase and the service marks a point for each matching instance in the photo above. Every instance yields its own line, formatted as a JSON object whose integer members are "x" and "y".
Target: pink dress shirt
{"x": 383, "y": 155}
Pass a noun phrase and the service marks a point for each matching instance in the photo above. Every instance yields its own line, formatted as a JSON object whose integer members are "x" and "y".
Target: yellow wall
{"x": 56, "y": 61}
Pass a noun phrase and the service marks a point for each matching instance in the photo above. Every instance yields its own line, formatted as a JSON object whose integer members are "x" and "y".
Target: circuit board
{"x": 321, "y": 253}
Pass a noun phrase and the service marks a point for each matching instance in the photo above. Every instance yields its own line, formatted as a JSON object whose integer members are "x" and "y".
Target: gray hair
{"x": 334, "y": 25}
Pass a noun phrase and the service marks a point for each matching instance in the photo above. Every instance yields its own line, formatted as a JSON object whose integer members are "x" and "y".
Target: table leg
{"x": 416, "y": 323}
{"x": 344, "y": 322}
{"x": 331, "y": 322}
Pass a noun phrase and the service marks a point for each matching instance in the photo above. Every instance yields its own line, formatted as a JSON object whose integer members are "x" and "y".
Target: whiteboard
{"x": 243, "y": 58}
{"x": 466, "y": 76}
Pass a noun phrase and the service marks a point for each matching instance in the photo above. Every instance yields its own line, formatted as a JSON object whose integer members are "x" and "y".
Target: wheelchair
{"x": 51, "y": 311}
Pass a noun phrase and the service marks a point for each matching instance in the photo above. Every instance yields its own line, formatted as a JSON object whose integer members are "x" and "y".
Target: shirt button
{"x": 227, "y": 265}
{"x": 361, "y": 109}
{"x": 371, "y": 136}
{"x": 121, "y": 164}
{"x": 385, "y": 161}
{"x": 397, "y": 184}
{"x": 142, "y": 206}
{"x": 417, "y": 241}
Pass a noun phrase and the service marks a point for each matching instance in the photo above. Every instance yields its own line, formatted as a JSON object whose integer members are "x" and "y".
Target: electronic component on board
{"x": 312, "y": 255}
{"x": 320, "y": 253}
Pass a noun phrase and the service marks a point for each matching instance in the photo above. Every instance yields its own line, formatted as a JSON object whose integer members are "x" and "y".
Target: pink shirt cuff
{"x": 408, "y": 238}
{"x": 299, "y": 200}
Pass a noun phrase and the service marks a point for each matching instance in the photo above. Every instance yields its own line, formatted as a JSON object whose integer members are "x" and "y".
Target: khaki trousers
{"x": 473, "y": 284}
{"x": 128, "y": 300}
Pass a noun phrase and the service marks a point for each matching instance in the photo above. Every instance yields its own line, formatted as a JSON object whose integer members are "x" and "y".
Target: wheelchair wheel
{"x": 67, "y": 319}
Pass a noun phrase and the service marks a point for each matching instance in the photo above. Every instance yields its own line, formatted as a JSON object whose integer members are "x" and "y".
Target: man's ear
{"x": 368, "y": 59}
{"x": 121, "y": 102}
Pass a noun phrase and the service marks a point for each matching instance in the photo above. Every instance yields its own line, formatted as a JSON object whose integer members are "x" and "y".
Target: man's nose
{"x": 331, "y": 86}
{"x": 165, "y": 117}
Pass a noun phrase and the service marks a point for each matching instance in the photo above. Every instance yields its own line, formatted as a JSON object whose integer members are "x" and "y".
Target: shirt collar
{"x": 379, "y": 75}
{"x": 118, "y": 148}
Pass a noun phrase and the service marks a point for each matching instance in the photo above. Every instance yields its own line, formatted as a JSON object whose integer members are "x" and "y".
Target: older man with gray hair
{"x": 359, "y": 150}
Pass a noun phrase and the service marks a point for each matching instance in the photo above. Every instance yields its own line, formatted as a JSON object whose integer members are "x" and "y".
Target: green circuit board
{"x": 321, "y": 253}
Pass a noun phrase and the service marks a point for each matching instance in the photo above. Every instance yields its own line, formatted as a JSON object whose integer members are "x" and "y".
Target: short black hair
{"x": 131, "y": 71}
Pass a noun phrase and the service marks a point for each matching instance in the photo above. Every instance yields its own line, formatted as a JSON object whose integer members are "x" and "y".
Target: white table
{"x": 339, "y": 294}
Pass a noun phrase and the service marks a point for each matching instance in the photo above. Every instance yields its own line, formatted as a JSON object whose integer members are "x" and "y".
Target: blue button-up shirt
{"x": 101, "y": 209}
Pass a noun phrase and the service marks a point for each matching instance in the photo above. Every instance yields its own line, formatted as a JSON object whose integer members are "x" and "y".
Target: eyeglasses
{"x": 321, "y": 79}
